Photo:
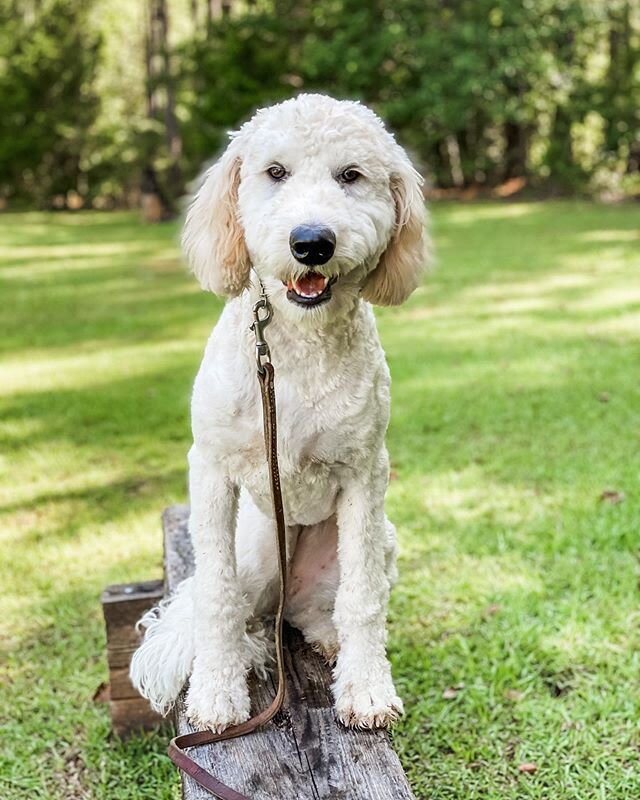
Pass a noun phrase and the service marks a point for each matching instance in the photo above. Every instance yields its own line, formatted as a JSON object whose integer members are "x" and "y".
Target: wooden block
{"x": 134, "y": 714}
{"x": 120, "y": 687}
{"x": 123, "y": 605}
{"x": 304, "y": 754}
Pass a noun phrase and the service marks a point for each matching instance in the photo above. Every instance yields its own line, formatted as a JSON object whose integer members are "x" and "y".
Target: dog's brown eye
{"x": 349, "y": 175}
{"x": 277, "y": 172}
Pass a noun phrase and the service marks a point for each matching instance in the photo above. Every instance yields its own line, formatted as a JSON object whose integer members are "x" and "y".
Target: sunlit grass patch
{"x": 514, "y": 629}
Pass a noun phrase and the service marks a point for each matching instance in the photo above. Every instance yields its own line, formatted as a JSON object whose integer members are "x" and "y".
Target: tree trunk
{"x": 455, "y": 162}
{"x": 214, "y": 11}
{"x": 161, "y": 99}
{"x": 623, "y": 58}
{"x": 515, "y": 156}
{"x": 565, "y": 174}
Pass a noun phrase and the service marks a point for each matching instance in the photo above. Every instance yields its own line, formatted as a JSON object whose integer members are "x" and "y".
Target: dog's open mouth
{"x": 309, "y": 289}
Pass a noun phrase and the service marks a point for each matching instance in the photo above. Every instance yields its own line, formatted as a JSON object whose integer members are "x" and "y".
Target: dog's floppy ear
{"x": 213, "y": 238}
{"x": 402, "y": 263}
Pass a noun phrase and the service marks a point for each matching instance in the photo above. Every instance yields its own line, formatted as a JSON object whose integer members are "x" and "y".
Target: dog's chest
{"x": 332, "y": 400}
{"x": 316, "y": 443}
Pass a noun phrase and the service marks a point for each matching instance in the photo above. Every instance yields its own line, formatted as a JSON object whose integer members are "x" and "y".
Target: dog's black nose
{"x": 312, "y": 244}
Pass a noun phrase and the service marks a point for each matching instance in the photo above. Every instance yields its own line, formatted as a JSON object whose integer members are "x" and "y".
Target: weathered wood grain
{"x": 120, "y": 687}
{"x": 130, "y": 715}
{"x": 122, "y": 606}
{"x": 304, "y": 754}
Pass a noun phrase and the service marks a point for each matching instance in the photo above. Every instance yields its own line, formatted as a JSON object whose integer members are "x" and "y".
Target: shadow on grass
{"x": 509, "y": 418}
{"x": 69, "y": 279}
{"x": 493, "y": 245}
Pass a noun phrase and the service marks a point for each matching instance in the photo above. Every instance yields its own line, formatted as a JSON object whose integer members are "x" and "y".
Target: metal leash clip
{"x": 258, "y": 326}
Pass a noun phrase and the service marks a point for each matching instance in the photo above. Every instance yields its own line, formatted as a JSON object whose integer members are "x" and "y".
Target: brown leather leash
{"x": 180, "y": 744}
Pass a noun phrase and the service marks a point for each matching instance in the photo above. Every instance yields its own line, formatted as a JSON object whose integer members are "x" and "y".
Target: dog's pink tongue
{"x": 310, "y": 284}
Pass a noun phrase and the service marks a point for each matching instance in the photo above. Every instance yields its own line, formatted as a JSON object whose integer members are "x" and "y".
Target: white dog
{"x": 320, "y": 200}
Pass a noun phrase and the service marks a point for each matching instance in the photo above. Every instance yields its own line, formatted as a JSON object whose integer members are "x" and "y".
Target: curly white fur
{"x": 160, "y": 668}
{"x": 332, "y": 386}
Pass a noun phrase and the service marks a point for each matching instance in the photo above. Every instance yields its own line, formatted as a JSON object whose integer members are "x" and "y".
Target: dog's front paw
{"x": 215, "y": 704}
{"x": 364, "y": 705}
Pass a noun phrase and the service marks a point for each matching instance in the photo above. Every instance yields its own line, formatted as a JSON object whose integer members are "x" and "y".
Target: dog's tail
{"x": 162, "y": 663}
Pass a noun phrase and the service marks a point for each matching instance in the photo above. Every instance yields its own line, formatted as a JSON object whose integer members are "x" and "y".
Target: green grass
{"x": 516, "y": 403}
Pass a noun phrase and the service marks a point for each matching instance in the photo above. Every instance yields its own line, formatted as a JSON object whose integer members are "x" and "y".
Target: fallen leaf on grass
{"x": 514, "y": 695}
{"x": 611, "y": 496}
{"x": 528, "y": 768}
{"x": 451, "y": 692}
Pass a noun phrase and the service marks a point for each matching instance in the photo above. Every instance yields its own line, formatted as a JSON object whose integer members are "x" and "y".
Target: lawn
{"x": 515, "y": 627}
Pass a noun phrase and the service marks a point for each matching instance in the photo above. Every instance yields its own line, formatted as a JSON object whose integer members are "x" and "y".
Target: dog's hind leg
{"x": 313, "y": 583}
{"x": 163, "y": 662}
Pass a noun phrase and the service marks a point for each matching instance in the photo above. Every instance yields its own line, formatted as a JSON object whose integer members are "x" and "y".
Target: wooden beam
{"x": 304, "y": 754}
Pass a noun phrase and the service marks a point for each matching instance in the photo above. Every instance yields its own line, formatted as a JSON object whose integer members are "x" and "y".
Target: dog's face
{"x": 317, "y": 196}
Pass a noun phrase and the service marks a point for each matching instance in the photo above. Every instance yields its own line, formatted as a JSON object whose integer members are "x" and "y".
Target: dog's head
{"x": 321, "y": 200}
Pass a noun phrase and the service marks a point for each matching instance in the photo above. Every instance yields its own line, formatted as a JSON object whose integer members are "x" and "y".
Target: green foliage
{"x": 48, "y": 60}
{"x": 481, "y": 91}
{"x": 242, "y": 63}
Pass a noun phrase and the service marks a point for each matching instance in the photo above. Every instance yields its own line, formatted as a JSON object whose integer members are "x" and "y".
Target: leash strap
{"x": 180, "y": 744}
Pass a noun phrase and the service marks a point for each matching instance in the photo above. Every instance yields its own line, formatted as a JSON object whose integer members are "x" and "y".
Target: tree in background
{"x": 485, "y": 93}
{"x": 48, "y": 60}
{"x": 235, "y": 65}
{"x": 482, "y": 91}
{"x": 619, "y": 104}
{"x": 161, "y": 183}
